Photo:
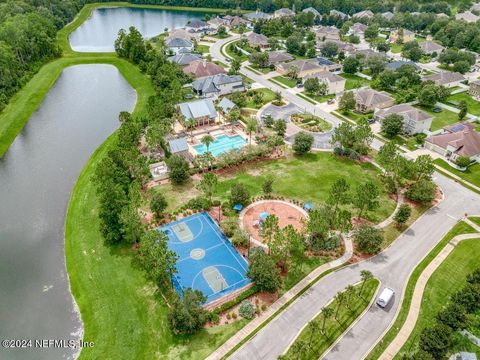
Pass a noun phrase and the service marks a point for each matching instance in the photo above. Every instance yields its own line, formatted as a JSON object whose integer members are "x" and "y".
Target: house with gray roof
{"x": 368, "y": 100}
{"x": 283, "y": 12}
{"x": 429, "y": 47}
{"x": 275, "y": 57}
{"x": 388, "y": 15}
{"x": 365, "y": 14}
{"x": 257, "y": 40}
{"x": 467, "y": 16}
{"x": 184, "y": 59}
{"x": 357, "y": 29}
{"x": 179, "y": 45}
{"x": 203, "y": 111}
{"x": 178, "y": 146}
{"x": 220, "y": 84}
{"x": 314, "y": 11}
{"x": 257, "y": 15}
{"x": 335, "y": 84}
{"x": 226, "y": 105}
{"x": 415, "y": 121}
{"x": 327, "y": 33}
{"x": 463, "y": 356}
{"x": 395, "y": 65}
{"x": 455, "y": 144}
{"x": 339, "y": 14}
{"x": 445, "y": 78}
{"x": 196, "y": 25}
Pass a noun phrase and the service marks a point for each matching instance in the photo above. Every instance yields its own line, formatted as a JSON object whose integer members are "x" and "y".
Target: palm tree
{"x": 190, "y": 125}
{"x": 251, "y": 128}
{"x": 349, "y": 291}
{"x": 327, "y": 314}
{"x": 366, "y": 275}
{"x": 233, "y": 116}
{"x": 313, "y": 326}
{"x": 340, "y": 297}
{"x": 207, "y": 140}
{"x": 298, "y": 348}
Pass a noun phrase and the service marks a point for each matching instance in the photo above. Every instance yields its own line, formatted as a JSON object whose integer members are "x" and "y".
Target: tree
{"x": 339, "y": 194}
{"x": 371, "y": 32}
{"x": 376, "y": 64}
{"x": 207, "y": 140}
{"x": 366, "y": 198}
{"x": 190, "y": 124}
{"x": 187, "y": 315}
{"x": 279, "y": 246}
{"x": 463, "y": 109}
{"x": 280, "y": 127}
{"x": 251, "y": 128}
{"x": 339, "y": 298}
{"x": 258, "y": 97}
{"x": 234, "y": 67}
{"x": 392, "y": 125}
{"x": 365, "y": 275}
{"x": 269, "y": 228}
{"x": 294, "y": 45}
{"x": 436, "y": 340}
{"x": 247, "y": 310}
{"x": 468, "y": 297}
{"x": 239, "y": 194}
{"x": 263, "y": 272}
{"x": 422, "y": 191}
{"x": 259, "y": 59}
{"x": 313, "y": 326}
{"x": 349, "y": 292}
{"x": 132, "y": 227}
{"x": 158, "y": 204}
{"x": 412, "y": 51}
{"x": 351, "y": 65}
{"x": 347, "y": 102}
{"x": 327, "y": 314}
{"x": 329, "y": 49}
{"x": 208, "y": 184}
{"x": 267, "y": 185}
{"x": 463, "y": 161}
{"x": 222, "y": 31}
{"x": 312, "y": 85}
{"x": 178, "y": 169}
{"x": 461, "y": 66}
{"x": 368, "y": 239}
{"x": 454, "y": 316}
{"x": 292, "y": 72}
{"x": 234, "y": 116}
{"x": 302, "y": 143}
{"x": 403, "y": 214}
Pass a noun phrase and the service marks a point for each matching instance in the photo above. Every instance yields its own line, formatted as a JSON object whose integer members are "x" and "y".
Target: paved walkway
{"x": 417, "y": 296}
{"x": 289, "y": 295}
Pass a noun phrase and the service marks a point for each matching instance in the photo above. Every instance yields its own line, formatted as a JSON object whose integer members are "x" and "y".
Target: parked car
{"x": 299, "y": 85}
{"x": 437, "y": 110}
{"x": 385, "y": 297}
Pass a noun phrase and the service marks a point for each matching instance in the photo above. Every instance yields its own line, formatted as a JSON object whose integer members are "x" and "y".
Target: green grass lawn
{"x": 311, "y": 122}
{"x": 268, "y": 95}
{"x": 473, "y": 105}
{"x": 475, "y": 219}
{"x": 354, "y": 81}
{"x": 449, "y": 277}
{"x": 441, "y": 119}
{"x": 228, "y": 51}
{"x": 315, "y": 344}
{"x": 263, "y": 70}
{"x": 459, "y": 228}
{"x": 202, "y": 49}
{"x": 396, "y": 48}
{"x": 309, "y": 179}
{"x": 472, "y": 174}
{"x": 286, "y": 81}
{"x": 321, "y": 98}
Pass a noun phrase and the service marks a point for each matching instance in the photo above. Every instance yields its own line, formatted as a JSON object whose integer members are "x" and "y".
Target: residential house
{"x": 235, "y": 21}
{"x": 458, "y": 127}
{"x": 314, "y": 11}
{"x": 445, "y": 78}
{"x": 197, "y": 25}
{"x": 216, "y": 22}
{"x": 257, "y": 40}
{"x": 179, "y": 45}
{"x": 429, "y": 47}
{"x": 357, "y": 29}
{"x": 365, "y": 14}
{"x": 395, "y": 65}
{"x": 183, "y": 34}
{"x": 387, "y": 15}
{"x": 283, "y": 12}
{"x": 467, "y": 16}
{"x": 339, "y": 14}
{"x": 442, "y": 15}
{"x": 327, "y": 33}
{"x": 226, "y": 105}
{"x": 328, "y": 65}
{"x": 179, "y": 146}
{"x": 455, "y": 144}
{"x": 474, "y": 89}
{"x": 403, "y": 34}
{"x": 201, "y": 68}
{"x": 217, "y": 85}
{"x": 257, "y": 15}
{"x": 303, "y": 67}
{"x": 475, "y": 7}
{"x": 203, "y": 111}
{"x": 415, "y": 121}
{"x": 335, "y": 84}
{"x": 275, "y": 57}
{"x": 184, "y": 59}
{"x": 367, "y": 100}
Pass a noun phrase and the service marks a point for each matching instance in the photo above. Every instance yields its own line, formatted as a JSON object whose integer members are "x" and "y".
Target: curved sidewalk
{"x": 415, "y": 306}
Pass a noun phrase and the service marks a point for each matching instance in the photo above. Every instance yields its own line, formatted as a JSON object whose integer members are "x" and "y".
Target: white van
{"x": 385, "y": 297}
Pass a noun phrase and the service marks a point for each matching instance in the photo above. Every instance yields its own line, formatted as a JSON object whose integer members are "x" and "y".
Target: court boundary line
{"x": 207, "y": 249}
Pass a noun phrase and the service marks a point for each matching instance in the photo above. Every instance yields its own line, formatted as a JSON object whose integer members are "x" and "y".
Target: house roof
{"x": 211, "y": 84}
{"x": 183, "y": 34}
{"x": 461, "y": 126}
{"x": 358, "y": 28}
{"x": 370, "y": 52}
{"x": 462, "y": 355}
{"x": 279, "y": 56}
{"x": 184, "y": 58}
{"x": 430, "y": 46}
{"x": 216, "y": 21}
{"x": 468, "y": 16}
{"x": 257, "y": 39}
{"x": 327, "y": 31}
{"x": 197, "y": 109}
{"x": 387, "y": 15}
{"x": 444, "y": 77}
{"x": 325, "y": 76}
{"x": 178, "y": 145}
{"x": 363, "y": 14}
{"x": 465, "y": 143}
{"x": 325, "y": 61}
{"x": 196, "y": 23}
{"x": 257, "y": 15}
{"x": 405, "y": 110}
{"x": 226, "y": 105}
{"x": 395, "y": 65}
{"x": 442, "y": 15}
{"x": 313, "y": 11}
{"x": 202, "y": 68}
{"x": 371, "y": 98}
{"x": 284, "y": 12}
{"x": 302, "y": 65}
{"x": 178, "y": 43}
{"x": 338, "y": 13}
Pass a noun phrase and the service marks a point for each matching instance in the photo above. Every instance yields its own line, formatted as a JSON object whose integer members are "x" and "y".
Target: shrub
{"x": 178, "y": 169}
{"x": 368, "y": 239}
{"x": 239, "y": 194}
{"x": 303, "y": 143}
{"x": 463, "y": 161}
{"x": 422, "y": 191}
{"x": 403, "y": 214}
{"x": 263, "y": 271}
{"x": 247, "y": 310}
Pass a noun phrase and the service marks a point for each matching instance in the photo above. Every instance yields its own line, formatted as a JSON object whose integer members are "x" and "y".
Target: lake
{"x": 98, "y": 33}
{"x": 37, "y": 175}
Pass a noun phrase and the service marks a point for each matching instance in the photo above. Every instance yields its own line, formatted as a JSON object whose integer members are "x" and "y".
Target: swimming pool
{"x": 222, "y": 143}
{"x": 207, "y": 261}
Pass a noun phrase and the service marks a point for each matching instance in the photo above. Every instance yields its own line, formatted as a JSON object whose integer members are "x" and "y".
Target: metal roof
{"x": 178, "y": 145}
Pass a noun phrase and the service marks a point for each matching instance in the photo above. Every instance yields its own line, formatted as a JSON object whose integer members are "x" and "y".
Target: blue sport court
{"x": 221, "y": 144}
{"x": 207, "y": 261}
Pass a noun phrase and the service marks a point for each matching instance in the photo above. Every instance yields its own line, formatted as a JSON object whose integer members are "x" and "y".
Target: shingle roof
{"x": 468, "y": 16}
{"x": 387, "y": 15}
{"x": 325, "y": 75}
{"x": 184, "y": 58}
{"x": 202, "y": 68}
{"x": 178, "y": 43}
{"x": 406, "y": 110}
{"x": 178, "y": 145}
{"x": 183, "y": 34}
{"x": 257, "y": 15}
{"x": 313, "y": 11}
{"x": 302, "y": 65}
{"x": 338, "y": 13}
{"x": 196, "y": 23}
{"x": 444, "y": 77}
{"x": 466, "y": 143}
{"x": 197, "y": 109}
{"x": 226, "y": 104}
{"x": 430, "y": 46}
{"x": 394, "y": 65}
{"x": 211, "y": 83}
{"x": 358, "y": 28}
{"x": 370, "y": 97}
{"x": 364, "y": 13}
{"x": 257, "y": 39}
{"x": 284, "y": 12}
{"x": 279, "y": 56}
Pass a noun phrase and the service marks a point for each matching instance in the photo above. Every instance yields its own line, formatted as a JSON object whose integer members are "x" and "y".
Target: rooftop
{"x": 302, "y": 65}
{"x": 178, "y": 145}
{"x": 178, "y": 42}
{"x": 197, "y": 109}
{"x": 405, "y": 109}
{"x": 465, "y": 143}
{"x": 211, "y": 83}
{"x": 279, "y": 56}
{"x": 202, "y": 68}
{"x": 257, "y": 39}
{"x": 370, "y": 97}
{"x": 184, "y": 58}
{"x": 444, "y": 77}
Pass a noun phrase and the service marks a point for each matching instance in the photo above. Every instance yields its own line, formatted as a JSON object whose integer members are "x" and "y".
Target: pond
{"x": 37, "y": 175}
{"x": 98, "y": 33}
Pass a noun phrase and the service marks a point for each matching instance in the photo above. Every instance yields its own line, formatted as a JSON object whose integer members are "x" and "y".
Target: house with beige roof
{"x": 429, "y": 47}
{"x": 335, "y": 84}
{"x": 474, "y": 89}
{"x": 327, "y": 33}
{"x": 455, "y": 144}
{"x": 284, "y": 12}
{"x": 365, "y": 14}
{"x": 304, "y": 67}
{"x": 275, "y": 57}
{"x": 315, "y": 12}
{"x": 257, "y": 40}
{"x": 183, "y": 34}
{"x": 367, "y": 100}
{"x": 201, "y": 68}
{"x": 467, "y": 16}
{"x": 357, "y": 29}
{"x": 415, "y": 121}
{"x": 445, "y": 78}
{"x": 403, "y": 34}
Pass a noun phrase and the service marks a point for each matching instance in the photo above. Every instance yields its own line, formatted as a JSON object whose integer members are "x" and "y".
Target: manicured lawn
{"x": 311, "y": 123}
{"x": 396, "y": 48}
{"x": 321, "y": 98}
{"x": 472, "y": 105}
{"x": 317, "y": 343}
{"x": 309, "y": 179}
{"x": 459, "y": 228}
{"x": 268, "y": 95}
{"x": 298, "y": 271}
{"x": 354, "y": 81}
{"x": 441, "y": 119}
{"x": 444, "y": 282}
{"x": 228, "y": 51}
{"x": 202, "y": 49}
{"x": 286, "y": 81}
{"x": 475, "y": 219}
{"x": 472, "y": 174}
{"x": 263, "y": 70}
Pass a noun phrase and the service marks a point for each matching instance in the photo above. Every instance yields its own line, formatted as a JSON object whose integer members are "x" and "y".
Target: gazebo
{"x": 238, "y": 207}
